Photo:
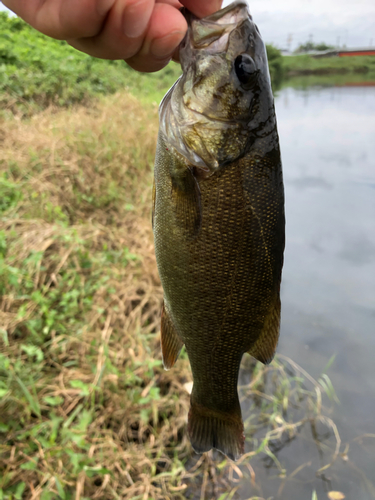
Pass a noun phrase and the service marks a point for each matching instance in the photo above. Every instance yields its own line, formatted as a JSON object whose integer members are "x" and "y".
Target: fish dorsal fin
{"x": 265, "y": 347}
{"x": 171, "y": 343}
{"x": 186, "y": 199}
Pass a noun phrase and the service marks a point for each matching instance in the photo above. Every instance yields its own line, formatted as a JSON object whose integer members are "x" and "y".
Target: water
{"x": 328, "y": 292}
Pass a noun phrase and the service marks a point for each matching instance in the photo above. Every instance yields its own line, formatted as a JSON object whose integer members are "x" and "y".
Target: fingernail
{"x": 163, "y": 47}
{"x": 137, "y": 17}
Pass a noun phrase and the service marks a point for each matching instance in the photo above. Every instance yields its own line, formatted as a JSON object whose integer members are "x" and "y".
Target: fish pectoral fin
{"x": 186, "y": 198}
{"x": 265, "y": 347}
{"x": 171, "y": 343}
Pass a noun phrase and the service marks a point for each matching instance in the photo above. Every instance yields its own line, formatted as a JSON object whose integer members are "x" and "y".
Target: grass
{"x": 337, "y": 80}
{"x": 86, "y": 409}
{"x": 37, "y": 71}
{"x": 362, "y": 66}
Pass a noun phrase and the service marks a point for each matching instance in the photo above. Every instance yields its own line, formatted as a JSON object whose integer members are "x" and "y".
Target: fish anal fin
{"x": 265, "y": 347}
{"x": 216, "y": 429}
{"x": 186, "y": 199}
{"x": 171, "y": 343}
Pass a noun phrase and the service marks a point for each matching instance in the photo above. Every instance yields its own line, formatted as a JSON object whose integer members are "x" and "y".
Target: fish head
{"x": 223, "y": 101}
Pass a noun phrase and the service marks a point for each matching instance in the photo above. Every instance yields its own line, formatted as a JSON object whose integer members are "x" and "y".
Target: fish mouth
{"x": 214, "y": 29}
{"x": 230, "y": 14}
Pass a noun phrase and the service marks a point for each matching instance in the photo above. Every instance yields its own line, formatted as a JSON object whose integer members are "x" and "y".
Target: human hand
{"x": 145, "y": 33}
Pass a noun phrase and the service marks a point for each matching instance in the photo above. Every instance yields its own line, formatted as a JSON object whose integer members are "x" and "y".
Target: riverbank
{"x": 305, "y": 65}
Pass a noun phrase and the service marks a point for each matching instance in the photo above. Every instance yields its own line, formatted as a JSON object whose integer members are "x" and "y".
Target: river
{"x": 327, "y": 137}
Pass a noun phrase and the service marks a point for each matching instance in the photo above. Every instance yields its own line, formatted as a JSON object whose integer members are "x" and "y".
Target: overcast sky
{"x": 349, "y": 22}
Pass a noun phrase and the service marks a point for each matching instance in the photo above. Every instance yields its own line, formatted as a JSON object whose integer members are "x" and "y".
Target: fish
{"x": 218, "y": 218}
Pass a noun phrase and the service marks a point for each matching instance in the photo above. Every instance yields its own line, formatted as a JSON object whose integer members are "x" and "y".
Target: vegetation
{"x": 304, "y": 81}
{"x": 310, "y": 46}
{"x": 86, "y": 409}
{"x": 308, "y": 65}
{"x": 275, "y": 62}
{"x": 37, "y": 71}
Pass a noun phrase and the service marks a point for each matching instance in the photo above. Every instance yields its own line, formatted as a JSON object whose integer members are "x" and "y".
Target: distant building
{"x": 363, "y": 51}
{"x": 357, "y": 52}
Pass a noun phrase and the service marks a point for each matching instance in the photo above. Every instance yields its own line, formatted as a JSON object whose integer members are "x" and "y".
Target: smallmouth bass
{"x": 218, "y": 218}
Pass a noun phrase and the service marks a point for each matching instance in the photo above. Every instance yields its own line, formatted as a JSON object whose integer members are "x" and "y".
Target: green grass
{"x": 305, "y": 65}
{"x": 336, "y": 80}
{"x": 37, "y": 71}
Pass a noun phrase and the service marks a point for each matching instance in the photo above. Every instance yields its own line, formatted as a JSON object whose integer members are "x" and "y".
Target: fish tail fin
{"x": 216, "y": 429}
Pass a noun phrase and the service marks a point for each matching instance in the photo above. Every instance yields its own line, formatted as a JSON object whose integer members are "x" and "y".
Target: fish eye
{"x": 244, "y": 67}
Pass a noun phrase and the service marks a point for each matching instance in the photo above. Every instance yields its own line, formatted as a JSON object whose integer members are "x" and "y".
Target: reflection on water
{"x": 328, "y": 293}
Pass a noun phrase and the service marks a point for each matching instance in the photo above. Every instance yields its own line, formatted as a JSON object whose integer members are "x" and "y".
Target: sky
{"x": 287, "y": 23}
{"x": 335, "y": 22}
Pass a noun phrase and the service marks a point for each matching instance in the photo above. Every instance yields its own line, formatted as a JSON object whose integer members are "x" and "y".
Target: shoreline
{"x": 326, "y": 71}
{"x": 306, "y": 65}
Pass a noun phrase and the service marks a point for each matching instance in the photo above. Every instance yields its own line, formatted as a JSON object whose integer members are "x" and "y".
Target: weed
{"x": 362, "y": 66}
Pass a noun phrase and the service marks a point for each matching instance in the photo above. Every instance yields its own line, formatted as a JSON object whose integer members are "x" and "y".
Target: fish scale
{"x": 218, "y": 221}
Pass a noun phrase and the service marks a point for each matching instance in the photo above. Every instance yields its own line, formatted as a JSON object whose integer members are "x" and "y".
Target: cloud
{"x": 331, "y": 21}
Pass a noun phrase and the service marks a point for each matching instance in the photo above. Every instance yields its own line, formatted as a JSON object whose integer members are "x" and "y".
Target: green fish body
{"x": 218, "y": 219}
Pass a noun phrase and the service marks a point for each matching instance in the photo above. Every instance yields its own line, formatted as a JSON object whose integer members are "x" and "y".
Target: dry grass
{"x": 86, "y": 409}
